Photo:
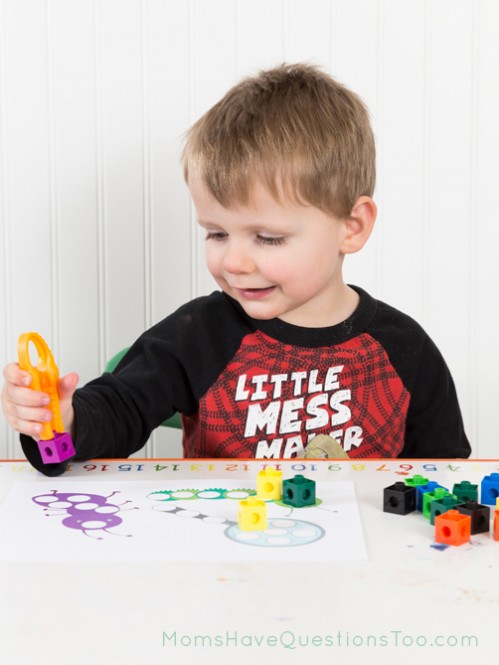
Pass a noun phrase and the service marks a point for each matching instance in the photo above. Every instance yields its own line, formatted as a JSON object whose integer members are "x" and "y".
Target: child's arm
{"x": 113, "y": 415}
{"x": 25, "y": 409}
{"x": 434, "y": 427}
{"x": 165, "y": 371}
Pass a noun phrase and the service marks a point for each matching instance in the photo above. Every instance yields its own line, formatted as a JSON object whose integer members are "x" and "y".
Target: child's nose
{"x": 237, "y": 259}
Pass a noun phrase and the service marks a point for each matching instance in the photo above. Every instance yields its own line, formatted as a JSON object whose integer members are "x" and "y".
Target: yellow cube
{"x": 269, "y": 485}
{"x": 252, "y": 515}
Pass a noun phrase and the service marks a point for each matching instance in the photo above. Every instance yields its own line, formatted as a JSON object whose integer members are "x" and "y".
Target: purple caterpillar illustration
{"x": 87, "y": 512}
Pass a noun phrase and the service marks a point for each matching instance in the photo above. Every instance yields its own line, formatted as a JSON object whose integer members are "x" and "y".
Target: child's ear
{"x": 359, "y": 225}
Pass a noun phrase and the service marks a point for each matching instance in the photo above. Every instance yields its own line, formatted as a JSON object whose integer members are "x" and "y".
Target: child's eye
{"x": 215, "y": 235}
{"x": 271, "y": 240}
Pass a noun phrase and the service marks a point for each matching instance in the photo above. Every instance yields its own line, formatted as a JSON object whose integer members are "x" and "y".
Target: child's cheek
{"x": 212, "y": 263}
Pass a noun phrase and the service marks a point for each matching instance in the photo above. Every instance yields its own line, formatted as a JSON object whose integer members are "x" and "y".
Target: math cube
{"x": 269, "y": 484}
{"x": 56, "y": 450}
{"x": 438, "y": 494}
{"x": 465, "y": 491}
{"x": 480, "y": 516}
{"x": 416, "y": 481}
{"x": 452, "y": 528}
{"x": 496, "y": 524}
{"x": 252, "y": 514}
{"x": 399, "y": 499}
{"x": 441, "y": 506}
{"x": 298, "y": 491}
{"x": 489, "y": 489}
{"x": 422, "y": 489}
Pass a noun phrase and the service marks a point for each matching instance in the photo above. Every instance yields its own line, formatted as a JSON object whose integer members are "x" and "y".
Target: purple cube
{"x": 58, "y": 449}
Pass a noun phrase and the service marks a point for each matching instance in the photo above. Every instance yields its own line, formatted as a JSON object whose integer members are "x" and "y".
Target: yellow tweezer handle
{"x": 45, "y": 377}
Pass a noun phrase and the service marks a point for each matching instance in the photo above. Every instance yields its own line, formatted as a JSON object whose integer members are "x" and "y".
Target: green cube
{"x": 465, "y": 491}
{"x": 416, "y": 481}
{"x": 298, "y": 491}
{"x": 441, "y": 506}
{"x": 438, "y": 494}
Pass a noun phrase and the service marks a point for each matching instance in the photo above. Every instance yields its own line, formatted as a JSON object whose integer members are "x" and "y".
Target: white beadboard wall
{"x": 98, "y": 239}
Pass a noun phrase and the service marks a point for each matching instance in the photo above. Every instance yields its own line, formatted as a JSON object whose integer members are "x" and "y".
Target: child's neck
{"x": 338, "y": 308}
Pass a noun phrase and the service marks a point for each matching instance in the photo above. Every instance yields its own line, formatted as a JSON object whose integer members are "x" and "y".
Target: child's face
{"x": 276, "y": 259}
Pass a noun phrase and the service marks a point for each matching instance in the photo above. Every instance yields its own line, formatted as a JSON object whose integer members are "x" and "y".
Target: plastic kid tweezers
{"x": 55, "y": 444}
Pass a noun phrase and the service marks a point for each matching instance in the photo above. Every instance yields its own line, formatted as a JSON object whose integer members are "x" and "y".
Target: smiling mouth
{"x": 253, "y": 294}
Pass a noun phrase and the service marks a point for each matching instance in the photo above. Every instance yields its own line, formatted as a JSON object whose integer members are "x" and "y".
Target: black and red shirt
{"x": 251, "y": 388}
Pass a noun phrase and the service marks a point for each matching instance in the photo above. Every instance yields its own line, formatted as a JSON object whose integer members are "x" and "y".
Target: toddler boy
{"x": 282, "y": 174}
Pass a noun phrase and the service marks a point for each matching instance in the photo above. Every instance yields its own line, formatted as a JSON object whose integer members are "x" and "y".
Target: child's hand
{"x": 25, "y": 409}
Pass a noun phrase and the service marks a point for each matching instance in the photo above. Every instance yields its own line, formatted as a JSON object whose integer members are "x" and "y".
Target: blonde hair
{"x": 293, "y": 128}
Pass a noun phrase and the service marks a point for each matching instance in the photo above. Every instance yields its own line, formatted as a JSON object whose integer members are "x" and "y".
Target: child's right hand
{"x": 25, "y": 409}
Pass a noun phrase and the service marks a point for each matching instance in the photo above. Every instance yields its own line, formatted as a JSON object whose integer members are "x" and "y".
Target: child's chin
{"x": 260, "y": 313}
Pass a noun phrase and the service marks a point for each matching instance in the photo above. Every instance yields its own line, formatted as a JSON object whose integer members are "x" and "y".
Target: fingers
{"x": 12, "y": 373}
{"x": 67, "y": 386}
{"x": 28, "y": 421}
{"x": 24, "y": 409}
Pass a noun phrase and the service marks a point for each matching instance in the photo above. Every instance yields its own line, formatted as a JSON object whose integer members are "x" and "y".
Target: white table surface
{"x": 391, "y": 608}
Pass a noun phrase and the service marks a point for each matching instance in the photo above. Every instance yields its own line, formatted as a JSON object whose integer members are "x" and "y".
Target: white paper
{"x": 187, "y": 520}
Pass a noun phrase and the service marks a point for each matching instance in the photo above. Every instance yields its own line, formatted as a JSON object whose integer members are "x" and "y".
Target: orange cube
{"x": 452, "y": 528}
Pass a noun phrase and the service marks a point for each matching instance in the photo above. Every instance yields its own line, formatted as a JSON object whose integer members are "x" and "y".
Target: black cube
{"x": 480, "y": 516}
{"x": 399, "y": 499}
